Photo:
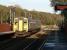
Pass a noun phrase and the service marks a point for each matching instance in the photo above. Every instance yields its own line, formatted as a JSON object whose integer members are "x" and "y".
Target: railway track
{"x": 20, "y": 43}
{"x": 34, "y": 45}
{"x": 7, "y": 43}
{"x": 28, "y": 43}
{"x": 15, "y": 44}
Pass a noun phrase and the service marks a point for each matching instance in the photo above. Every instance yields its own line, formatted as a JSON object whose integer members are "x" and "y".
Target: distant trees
{"x": 46, "y": 18}
{"x": 4, "y": 12}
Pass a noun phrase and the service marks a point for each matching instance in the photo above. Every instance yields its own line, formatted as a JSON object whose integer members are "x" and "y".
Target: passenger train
{"x": 20, "y": 24}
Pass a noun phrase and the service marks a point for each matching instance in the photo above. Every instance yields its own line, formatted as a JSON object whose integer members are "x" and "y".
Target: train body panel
{"x": 34, "y": 24}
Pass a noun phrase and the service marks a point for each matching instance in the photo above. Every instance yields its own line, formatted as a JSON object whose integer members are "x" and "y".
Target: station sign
{"x": 60, "y": 7}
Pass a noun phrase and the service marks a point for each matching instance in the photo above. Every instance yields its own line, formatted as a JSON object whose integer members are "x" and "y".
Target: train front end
{"x": 20, "y": 24}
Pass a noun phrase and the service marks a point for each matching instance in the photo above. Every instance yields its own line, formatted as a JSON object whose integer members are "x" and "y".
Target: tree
{"x": 46, "y": 18}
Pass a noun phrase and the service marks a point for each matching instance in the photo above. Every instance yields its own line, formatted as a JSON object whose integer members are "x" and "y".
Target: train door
{"x": 20, "y": 25}
{"x": 26, "y": 24}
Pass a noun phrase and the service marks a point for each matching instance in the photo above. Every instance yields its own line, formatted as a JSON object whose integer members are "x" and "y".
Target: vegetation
{"x": 16, "y": 11}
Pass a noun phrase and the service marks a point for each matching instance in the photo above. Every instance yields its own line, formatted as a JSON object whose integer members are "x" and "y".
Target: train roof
{"x": 20, "y": 18}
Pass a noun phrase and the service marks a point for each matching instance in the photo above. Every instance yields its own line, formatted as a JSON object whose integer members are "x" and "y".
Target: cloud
{"x": 7, "y": 2}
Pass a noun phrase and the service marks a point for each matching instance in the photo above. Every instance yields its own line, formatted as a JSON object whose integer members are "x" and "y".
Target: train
{"x": 20, "y": 25}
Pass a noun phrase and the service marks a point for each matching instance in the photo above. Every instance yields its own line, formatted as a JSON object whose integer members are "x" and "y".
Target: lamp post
{"x": 25, "y": 13}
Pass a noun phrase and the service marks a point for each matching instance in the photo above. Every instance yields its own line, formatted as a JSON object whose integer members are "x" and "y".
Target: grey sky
{"x": 39, "y": 5}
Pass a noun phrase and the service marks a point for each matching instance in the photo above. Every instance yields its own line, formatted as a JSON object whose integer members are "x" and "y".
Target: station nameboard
{"x": 60, "y": 7}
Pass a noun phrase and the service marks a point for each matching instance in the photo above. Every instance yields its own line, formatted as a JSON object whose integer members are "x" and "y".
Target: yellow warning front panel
{"x": 20, "y": 25}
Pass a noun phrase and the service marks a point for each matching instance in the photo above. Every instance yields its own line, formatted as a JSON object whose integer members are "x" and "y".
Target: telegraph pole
{"x": 30, "y": 14}
{"x": 25, "y": 13}
{"x": 10, "y": 16}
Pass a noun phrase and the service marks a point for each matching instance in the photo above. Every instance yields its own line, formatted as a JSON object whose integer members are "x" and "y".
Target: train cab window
{"x": 25, "y": 22}
{"x": 16, "y": 22}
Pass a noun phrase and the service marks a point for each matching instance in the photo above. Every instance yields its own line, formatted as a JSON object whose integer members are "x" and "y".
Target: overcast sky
{"x": 39, "y": 5}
